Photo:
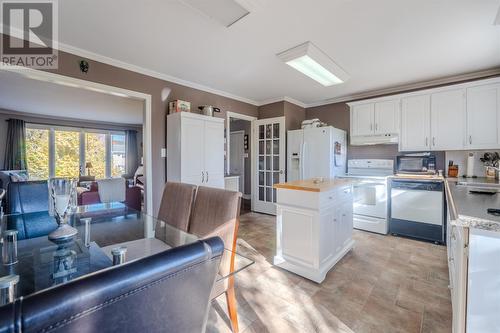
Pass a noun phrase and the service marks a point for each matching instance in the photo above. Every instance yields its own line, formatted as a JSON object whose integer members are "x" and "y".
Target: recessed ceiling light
{"x": 227, "y": 12}
{"x": 311, "y": 61}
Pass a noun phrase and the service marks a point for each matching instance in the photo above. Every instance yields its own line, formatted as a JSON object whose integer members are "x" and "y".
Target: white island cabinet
{"x": 314, "y": 226}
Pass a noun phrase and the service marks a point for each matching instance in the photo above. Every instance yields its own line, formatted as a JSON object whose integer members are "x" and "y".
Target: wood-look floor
{"x": 385, "y": 284}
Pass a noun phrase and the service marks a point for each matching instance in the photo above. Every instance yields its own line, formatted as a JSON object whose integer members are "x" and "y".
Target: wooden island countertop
{"x": 312, "y": 185}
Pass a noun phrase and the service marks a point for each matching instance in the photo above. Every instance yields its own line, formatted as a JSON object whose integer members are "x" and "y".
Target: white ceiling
{"x": 20, "y": 93}
{"x": 380, "y": 44}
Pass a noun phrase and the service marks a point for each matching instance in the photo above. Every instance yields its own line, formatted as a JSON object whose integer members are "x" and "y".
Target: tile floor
{"x": 385, "y": 284}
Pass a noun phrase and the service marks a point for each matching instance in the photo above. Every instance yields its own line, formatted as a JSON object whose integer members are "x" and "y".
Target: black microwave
{"x": 425, "y": 164}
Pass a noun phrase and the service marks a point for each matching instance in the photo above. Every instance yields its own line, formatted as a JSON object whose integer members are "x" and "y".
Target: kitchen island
{"x": 314, "y": 225}
{"x": 473, "y": 253}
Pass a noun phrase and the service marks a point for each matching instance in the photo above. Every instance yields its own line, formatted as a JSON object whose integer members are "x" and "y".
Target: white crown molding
{"x": 282, "y": 99}
{"x": 138, "y": 69}
{"x": 413, "y": 86}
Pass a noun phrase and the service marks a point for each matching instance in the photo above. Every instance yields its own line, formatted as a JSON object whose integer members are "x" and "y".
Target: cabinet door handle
{"x": 470, "y": 139}
{"x": 376, "y": 127}
{"x": 207, "y": 175}
{"x": 371, "y": 127}
{"x": 202, "y": 177}
{"x": 426, "y": 141}
{"x": 434, "y": 141}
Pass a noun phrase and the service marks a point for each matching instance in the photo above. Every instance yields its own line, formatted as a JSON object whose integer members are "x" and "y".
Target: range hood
{"x": 379, "y": 139}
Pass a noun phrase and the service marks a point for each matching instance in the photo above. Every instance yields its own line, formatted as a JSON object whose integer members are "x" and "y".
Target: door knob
{"x": 281, "y": 172}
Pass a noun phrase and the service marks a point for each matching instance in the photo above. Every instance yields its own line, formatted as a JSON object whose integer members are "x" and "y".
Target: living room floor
{"x": 385, "y": 284}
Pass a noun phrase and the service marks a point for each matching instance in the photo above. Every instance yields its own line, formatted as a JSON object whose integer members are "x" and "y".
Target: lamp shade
{"x": 88, "y": 165}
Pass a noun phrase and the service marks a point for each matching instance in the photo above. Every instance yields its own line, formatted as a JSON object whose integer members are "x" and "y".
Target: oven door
{"x": 370, "y": 198}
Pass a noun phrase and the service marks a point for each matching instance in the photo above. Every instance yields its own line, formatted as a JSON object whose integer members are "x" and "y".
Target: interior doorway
{"x": 239, "y": 156}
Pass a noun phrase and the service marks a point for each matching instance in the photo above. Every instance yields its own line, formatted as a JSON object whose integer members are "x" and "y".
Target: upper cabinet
{"x": 448, "y": 120}
{"x": 415, "y": 123}
{"x": 457, "y": 117}
{"x": 362, "y": 119}
{"x": 387, "y": 117}
{"x": 375, "y": 118}
{"x": 482, "y": 117}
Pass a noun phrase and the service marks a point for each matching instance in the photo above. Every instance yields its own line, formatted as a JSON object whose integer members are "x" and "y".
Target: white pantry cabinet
{"x": 415, "y": 123}
{"x": 195, "y": 145}
{"x": 483, "y": 117}
{"x": 314, "y": 229}
{"x": 375, "y": 118}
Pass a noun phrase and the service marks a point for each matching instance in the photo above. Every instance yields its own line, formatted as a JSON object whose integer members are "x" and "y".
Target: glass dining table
{"x": 108, "y": 234}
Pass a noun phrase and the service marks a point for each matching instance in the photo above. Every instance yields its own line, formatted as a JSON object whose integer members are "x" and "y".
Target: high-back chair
{"x": 166, "y": 292}
{"x": 216, "y": 212}
{"x": 176, "y": 204}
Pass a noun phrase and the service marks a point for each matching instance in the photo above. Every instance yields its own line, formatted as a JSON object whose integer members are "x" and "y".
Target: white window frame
{"x": 82, "y": 141}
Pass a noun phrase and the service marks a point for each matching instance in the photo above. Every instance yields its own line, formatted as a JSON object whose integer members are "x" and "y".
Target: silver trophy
{"x": 62, "y": 199}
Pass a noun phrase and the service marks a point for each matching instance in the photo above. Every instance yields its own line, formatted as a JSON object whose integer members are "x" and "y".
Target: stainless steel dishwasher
{"x": 417, "y": 209}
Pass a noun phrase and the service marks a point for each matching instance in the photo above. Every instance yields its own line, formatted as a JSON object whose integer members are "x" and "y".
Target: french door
{"x": 269, "y": 141}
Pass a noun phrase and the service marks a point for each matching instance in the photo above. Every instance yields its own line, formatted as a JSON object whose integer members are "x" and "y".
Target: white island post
{"x": 314, "y": 226}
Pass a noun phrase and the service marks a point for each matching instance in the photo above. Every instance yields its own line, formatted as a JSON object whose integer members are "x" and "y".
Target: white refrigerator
{"x": 316, "y": 152}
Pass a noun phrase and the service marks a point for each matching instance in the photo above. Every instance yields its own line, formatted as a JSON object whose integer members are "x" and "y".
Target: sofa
{"x": 91, "y": 196}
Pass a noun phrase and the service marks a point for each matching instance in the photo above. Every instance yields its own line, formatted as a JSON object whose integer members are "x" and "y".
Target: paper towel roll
{"x": 470, "y": 165}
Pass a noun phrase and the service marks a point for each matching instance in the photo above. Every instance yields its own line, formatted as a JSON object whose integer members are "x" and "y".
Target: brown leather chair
{"x": 216, "y": 212}
{"x": 176, "y": 204}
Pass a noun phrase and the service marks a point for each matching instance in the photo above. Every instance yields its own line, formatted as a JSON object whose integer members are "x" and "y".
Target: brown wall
{"x": 294, "y": 114}
{"x": 118, "y": 77}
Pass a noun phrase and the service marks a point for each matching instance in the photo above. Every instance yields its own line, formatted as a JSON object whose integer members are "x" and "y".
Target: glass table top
{"x": 42, "y": 264}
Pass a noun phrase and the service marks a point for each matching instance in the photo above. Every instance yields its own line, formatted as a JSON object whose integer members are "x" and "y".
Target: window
{"x": 95, "y": 154}
{"x": 117, "y": 155}
{"x": 37, "y": 150}
{"x": 66, "y": 152}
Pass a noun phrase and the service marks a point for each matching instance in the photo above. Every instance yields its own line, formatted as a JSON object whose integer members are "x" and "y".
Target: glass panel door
{"x": 270, "y": 162}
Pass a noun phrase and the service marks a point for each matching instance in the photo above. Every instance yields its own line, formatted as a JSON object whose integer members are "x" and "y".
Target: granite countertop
{"x": 469, "y": 209}
{"x": 310, "y": 185}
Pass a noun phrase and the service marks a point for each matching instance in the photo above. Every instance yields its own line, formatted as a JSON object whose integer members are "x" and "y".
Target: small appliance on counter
{"x": 208, "y": 110}
{"x": 417, "y": 203}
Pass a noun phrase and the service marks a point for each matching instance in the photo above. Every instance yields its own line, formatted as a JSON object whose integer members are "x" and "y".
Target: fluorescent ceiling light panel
{"x": 311, "y": 61}
{"x": 226, "y": 12}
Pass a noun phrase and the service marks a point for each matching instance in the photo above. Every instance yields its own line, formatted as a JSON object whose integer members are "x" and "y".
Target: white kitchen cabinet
{"x": 448, "y": 120}
{"x": 314, "y": 228}
{"x": 375, "y": 118}
{"x": 386, "y": 117}
{"x": 415, "y": 123}
{"x": 195, "y": 145}
{"x": 483, "y": 117}
{"x": 362, "y": 117}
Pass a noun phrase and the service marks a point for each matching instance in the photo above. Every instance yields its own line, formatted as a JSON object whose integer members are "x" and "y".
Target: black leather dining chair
{"x": 166, "y": 292}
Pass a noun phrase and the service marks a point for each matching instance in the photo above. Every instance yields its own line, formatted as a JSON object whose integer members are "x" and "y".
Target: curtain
{"x": 132, "y": 153}
{"x": 15, "y": 153}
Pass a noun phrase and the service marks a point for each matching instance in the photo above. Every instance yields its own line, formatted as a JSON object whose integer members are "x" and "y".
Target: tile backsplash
{"x": 460, "y": 158}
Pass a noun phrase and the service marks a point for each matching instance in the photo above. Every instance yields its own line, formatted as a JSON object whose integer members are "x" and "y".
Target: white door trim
{"x": 252, "y": 119}
{"x": 255, "y": 143}
{"x": 242, "y": 133}
{"x": 106, "y": 89}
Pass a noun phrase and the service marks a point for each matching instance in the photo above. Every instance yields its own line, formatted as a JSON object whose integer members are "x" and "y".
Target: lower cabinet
{"x": 314, "y": 230}
{"x": 474, "y": 279}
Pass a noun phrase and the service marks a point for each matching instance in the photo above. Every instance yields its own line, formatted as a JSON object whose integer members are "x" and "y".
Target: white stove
{"x": 370, "y": 193}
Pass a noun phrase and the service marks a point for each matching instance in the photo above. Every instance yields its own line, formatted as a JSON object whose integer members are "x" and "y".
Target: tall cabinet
{"x": 195, "y": 146}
